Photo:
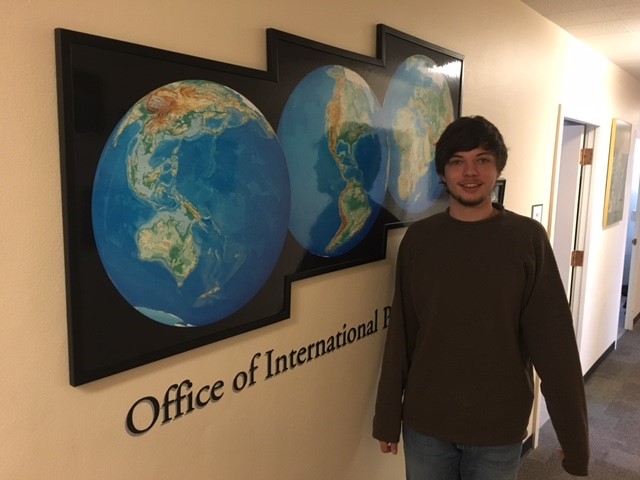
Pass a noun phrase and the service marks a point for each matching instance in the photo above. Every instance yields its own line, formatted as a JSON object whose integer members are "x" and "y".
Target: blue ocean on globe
{"x": 417, "y": 107}
{"x": 333, "y": 136}
{"x": 190, "y": 203}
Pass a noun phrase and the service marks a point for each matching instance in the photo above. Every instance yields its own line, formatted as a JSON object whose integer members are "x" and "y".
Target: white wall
{"x": 312, "y": 422}
{"x": 604, "y": 247}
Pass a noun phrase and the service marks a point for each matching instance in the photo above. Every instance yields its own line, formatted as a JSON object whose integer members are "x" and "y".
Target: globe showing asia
{"x": 332, "y": 133}
{"x": 190, "y": 203}
{"x": 418, "y": 107}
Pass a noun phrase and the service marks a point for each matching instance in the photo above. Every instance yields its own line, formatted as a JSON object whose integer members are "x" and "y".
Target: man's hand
{"x": 388, "y": 447}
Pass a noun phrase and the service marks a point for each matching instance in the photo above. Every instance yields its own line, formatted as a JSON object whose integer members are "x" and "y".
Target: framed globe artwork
{"x": 195, "y": 192}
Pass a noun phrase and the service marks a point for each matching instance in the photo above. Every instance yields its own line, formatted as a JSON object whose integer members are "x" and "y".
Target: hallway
{"x": 613, "y": 396}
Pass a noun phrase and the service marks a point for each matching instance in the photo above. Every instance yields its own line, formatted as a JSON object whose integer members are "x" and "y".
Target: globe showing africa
{"x": 191, "y": 203}
{"x": 418, "y": 107}
{"x": 332, "y": 133}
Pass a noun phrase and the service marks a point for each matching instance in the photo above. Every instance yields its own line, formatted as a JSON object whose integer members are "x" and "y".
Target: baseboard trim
{"x": 602, "y": 358}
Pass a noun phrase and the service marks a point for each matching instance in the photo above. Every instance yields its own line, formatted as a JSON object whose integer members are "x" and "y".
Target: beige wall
{"x": 312, "y": 422}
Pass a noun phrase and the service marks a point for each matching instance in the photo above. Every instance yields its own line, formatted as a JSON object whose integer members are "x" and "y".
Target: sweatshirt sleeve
{"x": 547, "y": 329}
{"x": 395, "y": 363}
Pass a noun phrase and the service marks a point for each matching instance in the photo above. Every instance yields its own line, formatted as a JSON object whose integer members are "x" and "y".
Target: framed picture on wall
{"x": 619, "y": 147}
{"x": 195, "y": 192}
{"x": 497, "y": 195}
{"x": 536, "y": 212}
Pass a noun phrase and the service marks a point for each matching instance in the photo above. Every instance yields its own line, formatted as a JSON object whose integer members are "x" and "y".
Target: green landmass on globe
{"x": 164, "y": 242}
{"x": 181, "y": 111}
{"x": 419, "y": 105}
{"x": 348, "y": 119}
{"x": 332, "y": 133}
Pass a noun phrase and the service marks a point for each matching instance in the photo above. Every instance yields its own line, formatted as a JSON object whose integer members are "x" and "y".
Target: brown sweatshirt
{"x": 475, "y": 304}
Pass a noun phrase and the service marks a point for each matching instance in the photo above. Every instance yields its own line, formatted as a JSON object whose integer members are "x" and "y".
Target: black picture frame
{"x": 99, "y": 79}
{"x": 498, "y": 191}
{"x": 536, "y": 212}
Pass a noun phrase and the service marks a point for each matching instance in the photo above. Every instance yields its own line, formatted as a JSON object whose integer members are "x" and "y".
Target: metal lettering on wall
{"x": 182, "y": 398}
{"x": 195, "y": 192}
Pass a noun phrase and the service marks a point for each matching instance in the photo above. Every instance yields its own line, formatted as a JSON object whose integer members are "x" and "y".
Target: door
{"x": 570, "y": 212}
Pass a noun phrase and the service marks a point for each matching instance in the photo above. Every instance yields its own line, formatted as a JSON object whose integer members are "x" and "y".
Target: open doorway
{"x": 570, "y": 209}
{"x": 568, "y": 214}
{"x": 629, "y": 310}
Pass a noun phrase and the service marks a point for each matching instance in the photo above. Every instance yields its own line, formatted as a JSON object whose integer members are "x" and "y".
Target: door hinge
{"x": 586, "y": 156}
{"x": 577, "y": 258}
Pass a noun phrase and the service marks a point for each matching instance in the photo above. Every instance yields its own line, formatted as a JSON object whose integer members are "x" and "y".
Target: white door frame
{"x": 567, "y": 184}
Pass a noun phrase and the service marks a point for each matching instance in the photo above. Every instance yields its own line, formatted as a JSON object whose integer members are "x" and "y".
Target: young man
{"x": 478, "y": 300}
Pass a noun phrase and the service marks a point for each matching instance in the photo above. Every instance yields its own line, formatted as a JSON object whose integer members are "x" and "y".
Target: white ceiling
{"x": 611, "y": 27}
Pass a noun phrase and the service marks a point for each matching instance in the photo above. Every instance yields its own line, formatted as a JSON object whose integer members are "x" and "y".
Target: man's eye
{"x": 454, "y": 161}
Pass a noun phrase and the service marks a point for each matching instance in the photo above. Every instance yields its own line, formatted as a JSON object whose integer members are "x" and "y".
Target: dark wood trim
{"x": 527, "y": 445}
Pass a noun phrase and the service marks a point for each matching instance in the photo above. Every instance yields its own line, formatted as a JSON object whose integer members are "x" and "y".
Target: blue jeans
{"x": 427, "y": 458}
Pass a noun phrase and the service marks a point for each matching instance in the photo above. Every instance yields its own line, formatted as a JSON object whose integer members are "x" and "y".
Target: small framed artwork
{"x": 536, "y": 212}
{"x": 616, "y": 172}
{"x": 497, "y": 195}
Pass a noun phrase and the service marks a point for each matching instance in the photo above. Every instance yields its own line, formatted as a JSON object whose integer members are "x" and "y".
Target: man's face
{"x": 470, "y": 177}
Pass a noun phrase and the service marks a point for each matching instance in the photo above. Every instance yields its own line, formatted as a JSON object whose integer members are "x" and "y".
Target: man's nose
{"x": 470, "y": 167}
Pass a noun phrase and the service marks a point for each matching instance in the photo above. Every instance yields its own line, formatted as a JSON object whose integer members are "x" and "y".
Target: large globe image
{"x": 418, "y": 107}
{"x": 333, "y": 136}
{"x": 191, "y": 203}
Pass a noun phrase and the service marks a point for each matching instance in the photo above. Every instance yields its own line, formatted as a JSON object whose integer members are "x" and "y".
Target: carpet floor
{"x": 613, "y": 397}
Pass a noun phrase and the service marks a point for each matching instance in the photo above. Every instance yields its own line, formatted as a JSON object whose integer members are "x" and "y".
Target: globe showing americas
{"x": 418, "y": 107}
{"x": 332, "y": 133}
{"x": 190, "y": 203}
